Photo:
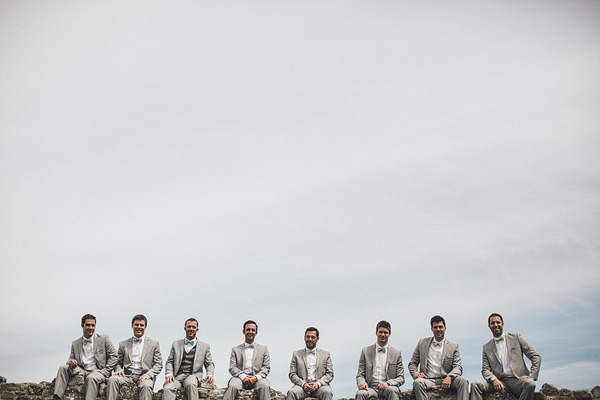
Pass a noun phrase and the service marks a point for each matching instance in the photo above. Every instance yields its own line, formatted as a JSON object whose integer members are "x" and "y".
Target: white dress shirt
{"x": 503, "y": 355}
{"x": 311, "y": 364}
{"x": 88, "y": 358}
{"x": 136, "y": 355}
{"x": 434, "y": 359}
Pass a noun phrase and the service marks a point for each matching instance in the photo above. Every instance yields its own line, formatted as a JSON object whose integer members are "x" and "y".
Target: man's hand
{"x": 118, "y": 373}
{"x": 382, "y": 385}
{"x": 144, "y": 377}
{"x": 311, "y": 387}
{"x": 210, "y": 379}
{"x": 421, "y": 375}
{"x": 498, "y": 386}
{"x": 363, "y": 386}
{"x": 249, "y": 381}
{"x": 447, "y": 382}
{"x": 525, "y": 377}
{"x": 169, "y": 379}
{"x": 72, "y": 364}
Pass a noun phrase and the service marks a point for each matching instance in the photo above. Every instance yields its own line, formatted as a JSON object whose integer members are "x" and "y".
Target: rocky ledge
{"x": 207, "y": 391}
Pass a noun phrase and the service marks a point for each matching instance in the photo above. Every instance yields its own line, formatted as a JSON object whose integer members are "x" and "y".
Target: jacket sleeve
{"x": 208, "y": 363}
{"x": 362, "y": 369}
{"x": 328, "y": 376}
{"x": 111, "y": 356}
{"x": 456, "y": 364}
{"x": 157, "y": 364}
{"x": 413, "y": 364}
{"x": 233, "y": 368}
{"x": 399, "y": 379}
{"x": 266, "y": 364}
{"x": 170, "y": 366}
{"x": 120, "y": 357}
{"x": 293, "y": 374}
{"x": 486, "y": 370}
{"x": 533, "y": 355}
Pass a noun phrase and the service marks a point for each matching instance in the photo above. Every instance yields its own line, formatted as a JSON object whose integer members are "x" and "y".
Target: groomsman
{"x": 311, "y": 370}
{"x": 439, "y": 362}
{"x": 139, "y": 362}
{"x": 185, "y": 362}
{"x": 249, "y": 366}
{"x": 380, "y": 370}
{"x": 503, "y": 367}
{"x": 93, "y": 356}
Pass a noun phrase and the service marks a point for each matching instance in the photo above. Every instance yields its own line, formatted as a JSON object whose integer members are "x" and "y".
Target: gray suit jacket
{"x": 366, "y": 365}
{"x": 201, "y": 358}
{"x": 451, "y": 364}
{"x": 299, "y": 372}
{"x": 151, "y": 357}
{"x": 491, "y": 366}
{"x": 261, "y": 362}
{"x": 104, "y": 353}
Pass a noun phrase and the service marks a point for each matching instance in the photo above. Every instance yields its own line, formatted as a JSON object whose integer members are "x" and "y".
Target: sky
{"x": 298, "y": 163}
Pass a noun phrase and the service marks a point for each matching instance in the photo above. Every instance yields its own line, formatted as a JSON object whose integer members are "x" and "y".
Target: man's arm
{"x": 293, "y": 374}
{"x": 413, "y": 364}
{"x": 266, "y": 364}
{"x": 170, "y": 364}
{"x": 456, "y": 364}
{"x": 361, "y": 380}
{"x": 209, "y": 365}
{"x": 486, "y": 370}
{"x": 111, "y": 356}
{"x": 233, "y": 368}
{"x": 399, "y": 379}
{"x": 157, "y": 364}
{"x": 328, "y": 376}
{"x": 533, "y": 355}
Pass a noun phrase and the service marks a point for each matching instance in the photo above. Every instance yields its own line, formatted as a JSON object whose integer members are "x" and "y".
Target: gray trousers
{"x": 459, "y": 383}
{"x": 523, "y": 389}
{"x": 92, "y": 381}
{"x": 389, "y": 393}
{"x": 189, "y": 383}
{"x": 297, "y": 393}
{"x": 113, "y": 384}
{"x": 261, "y": 387}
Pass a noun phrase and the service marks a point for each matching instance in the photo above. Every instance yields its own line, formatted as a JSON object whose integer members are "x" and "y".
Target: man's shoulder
{"x": 427, "y": 340}
{"x": 450, "y": 343}
{"x": 177, "y": 343}
{"x": 151, "y": 341}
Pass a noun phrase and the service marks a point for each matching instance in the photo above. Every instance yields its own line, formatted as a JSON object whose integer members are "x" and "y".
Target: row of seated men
{"x": 435, "y": 362}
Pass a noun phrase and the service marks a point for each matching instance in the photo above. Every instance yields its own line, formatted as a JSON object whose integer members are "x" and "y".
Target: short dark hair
{"x": 191, "y": 320}
{"x": 87, "y": 316}
{"x": 495, "y": 315}
{"x": 249, "y": 322}
{"x": 311, "y": 329}
{"x": 437, "y": 318}
{"x": 139, "y": 317}
{"x": 383, "y": 324}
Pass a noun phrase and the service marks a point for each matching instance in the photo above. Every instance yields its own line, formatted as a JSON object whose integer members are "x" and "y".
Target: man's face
{"x": 496, "y": 326}
{"x": 250, "y": 332}
{"x": 139, "y": 327}
{"x": 383, "y": 335}
{"x": 89, "y": 327}
{"x": 191, "y": 328}
{"x": 439, "y": 330}
{"x": 311, "y": 339}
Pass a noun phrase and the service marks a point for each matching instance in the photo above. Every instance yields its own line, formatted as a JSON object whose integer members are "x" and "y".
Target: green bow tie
{"x": 500, "y": 339}
{"x": 188, "y": 342}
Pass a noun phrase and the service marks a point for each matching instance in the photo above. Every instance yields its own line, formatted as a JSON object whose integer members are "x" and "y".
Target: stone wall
{"x": 207, "y": 391}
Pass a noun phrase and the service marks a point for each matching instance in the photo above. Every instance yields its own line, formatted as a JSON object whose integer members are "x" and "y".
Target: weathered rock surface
{"x": 208, "y": 391}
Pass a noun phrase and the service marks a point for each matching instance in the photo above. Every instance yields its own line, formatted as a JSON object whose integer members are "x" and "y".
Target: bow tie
{"x": 498, "y": 340}
{"x": 186, "y": 342}
{"x": 137, "y": 340}
{"x": 436, "y": 344}
{"x": 313, "y": 351}
{"x": 87, "y": 341}
{"x": 381, "y": 349}
{"x": 248, "y": 346}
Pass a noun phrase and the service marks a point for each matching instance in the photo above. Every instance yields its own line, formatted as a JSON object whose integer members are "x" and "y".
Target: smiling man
{"x": 380, "y": 370}
{"x": 139, "y": 362}
{"x": 311, "y": 370}
{"x": 249, "y": 366}
{"x": 438, "y": 362}
{"x": 185, "y": 362}
{"x": 503, "y": 367}
{"x": 92, "y": 356}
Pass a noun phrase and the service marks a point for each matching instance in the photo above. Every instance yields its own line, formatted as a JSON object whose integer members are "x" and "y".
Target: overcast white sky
{"x": 327, "y": 163}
